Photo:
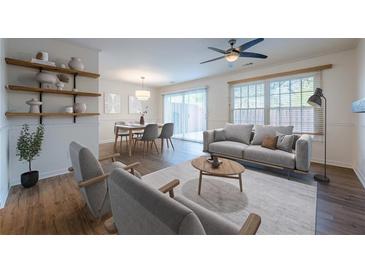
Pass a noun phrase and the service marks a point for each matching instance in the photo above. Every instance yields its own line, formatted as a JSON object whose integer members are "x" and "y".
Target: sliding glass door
{"x": 188, "y": 111}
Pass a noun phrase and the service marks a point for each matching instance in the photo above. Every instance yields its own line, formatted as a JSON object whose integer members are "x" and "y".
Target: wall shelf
{"x": 21, "y": 63}
{"x": 40, "y": 90}
{"x": 49, "y": 114}
{"x": 51, "y": 91}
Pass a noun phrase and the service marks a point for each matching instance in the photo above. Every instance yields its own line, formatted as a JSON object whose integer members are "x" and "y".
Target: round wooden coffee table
{"x": 228, "y": 169}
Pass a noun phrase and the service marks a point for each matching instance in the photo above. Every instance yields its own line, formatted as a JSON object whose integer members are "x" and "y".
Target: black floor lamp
{"x": 316, "y": 101}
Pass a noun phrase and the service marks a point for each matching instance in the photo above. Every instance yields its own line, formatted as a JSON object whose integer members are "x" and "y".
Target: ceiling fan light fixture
{"x": 232, "y": 56}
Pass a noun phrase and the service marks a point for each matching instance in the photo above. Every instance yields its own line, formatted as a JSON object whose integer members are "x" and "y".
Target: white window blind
{"x": 248, "y": 104}
{"x": 278, "y": 102}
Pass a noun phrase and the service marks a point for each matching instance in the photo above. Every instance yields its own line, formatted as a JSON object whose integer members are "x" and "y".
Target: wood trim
{"x": 51, "y": 91}
{"x": 27, "y": 64}
{"x": 251, "y": 225}
{"x": 95, "y": 180}
{"x": 281, "y": 74}
{"x": 170, "y": 187}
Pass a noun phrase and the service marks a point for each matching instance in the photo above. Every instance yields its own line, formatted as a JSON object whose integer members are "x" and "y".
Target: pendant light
{"x": 142, "y": 94}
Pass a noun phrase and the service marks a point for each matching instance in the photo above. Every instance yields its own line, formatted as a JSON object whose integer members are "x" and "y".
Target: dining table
{"x": 131, "y": 128}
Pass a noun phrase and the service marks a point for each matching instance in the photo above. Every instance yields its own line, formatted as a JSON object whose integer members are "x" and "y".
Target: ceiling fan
{"x": 232, "y": 53}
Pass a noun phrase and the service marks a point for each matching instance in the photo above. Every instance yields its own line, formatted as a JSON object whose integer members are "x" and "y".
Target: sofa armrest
{"x": 208, "y": 137}
{"x": 303, "y": 152}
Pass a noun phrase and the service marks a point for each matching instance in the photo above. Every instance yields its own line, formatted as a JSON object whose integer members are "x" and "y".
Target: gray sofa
{"x": 243, "y": 142}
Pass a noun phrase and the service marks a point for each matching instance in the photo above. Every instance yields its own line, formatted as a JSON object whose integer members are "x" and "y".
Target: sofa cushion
{"x": 262, "y": 131}
{"x": 219, "y": 135}
{"x": 268, "y": 156}
{"x": 229, "y": 148}
{"x": 238, "y": 133}
{"x": 285, "y": 142}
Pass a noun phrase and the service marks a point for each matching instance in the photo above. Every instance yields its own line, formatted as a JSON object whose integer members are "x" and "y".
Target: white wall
{"x": 359, "y": 145}
{"x": 106, "y": 121}
{"x": 4, "y": 162}
{"x": 59, "y": 132}
{"x": 338, "y": 83}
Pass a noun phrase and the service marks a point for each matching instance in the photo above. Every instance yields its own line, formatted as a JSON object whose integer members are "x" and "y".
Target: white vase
{"x": 75, "y": 63}
{"x": 79, "y": 107}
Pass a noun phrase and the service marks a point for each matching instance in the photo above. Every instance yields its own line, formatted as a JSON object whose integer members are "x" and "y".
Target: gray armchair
{"x": 166, "y": 133}
{"x": 91, "y": 178}
{"x": 138, "y": 208}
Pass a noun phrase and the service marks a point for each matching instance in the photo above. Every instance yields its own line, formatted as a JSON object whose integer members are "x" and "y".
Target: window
{"x": 288, "y": 104}
{"x": 279, "y": 102}
{"x": 187, "y": 110}
{"x": 248, "y": 104}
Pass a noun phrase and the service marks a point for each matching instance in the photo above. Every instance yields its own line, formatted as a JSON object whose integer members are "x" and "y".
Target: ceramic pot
{"x": 60, "y": 85}
{"x": 69, "y": 109}
{"x": 79, "y": 107}
{"x": 46, "y": 79}
{"x": 29, "y": 179}
{"x": 75, "y": 63}
{"x": 33, "y": 105}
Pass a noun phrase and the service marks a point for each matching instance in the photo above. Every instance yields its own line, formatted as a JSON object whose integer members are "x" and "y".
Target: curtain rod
{"x": 281, "y": 74}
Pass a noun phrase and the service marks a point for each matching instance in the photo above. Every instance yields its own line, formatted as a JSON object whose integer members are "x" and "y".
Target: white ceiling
{"x": 165, "y": 61}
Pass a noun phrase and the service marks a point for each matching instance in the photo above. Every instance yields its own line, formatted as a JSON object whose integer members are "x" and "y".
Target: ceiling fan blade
{"x": 212, "y": 60}
{"x": 217, "y": 50}
{"x": 253, "y": 55}
{"x": 250, "y": 44}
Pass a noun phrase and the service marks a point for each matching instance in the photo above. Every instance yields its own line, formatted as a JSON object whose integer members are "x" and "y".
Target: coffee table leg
{"x": 240, "y": 179}
{"x": 200, "y": 181}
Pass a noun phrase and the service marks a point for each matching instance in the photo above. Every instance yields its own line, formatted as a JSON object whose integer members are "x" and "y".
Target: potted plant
{"x": 29, "y": 146}
{"x": 143, "y": 113}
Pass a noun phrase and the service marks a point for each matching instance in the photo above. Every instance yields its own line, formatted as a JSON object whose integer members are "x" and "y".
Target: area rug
{"x": 286, "y": 206}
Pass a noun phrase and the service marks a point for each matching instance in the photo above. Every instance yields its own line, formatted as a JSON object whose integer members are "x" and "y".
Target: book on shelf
{"x": 42, "y": 62}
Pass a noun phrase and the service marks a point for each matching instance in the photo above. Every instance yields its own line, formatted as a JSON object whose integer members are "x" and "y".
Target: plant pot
{"x": 141, "y": 120}
{"x": 29, "y": 179}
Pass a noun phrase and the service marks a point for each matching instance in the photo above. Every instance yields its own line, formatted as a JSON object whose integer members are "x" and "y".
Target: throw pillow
{"x": 269, "y": 142}
{"x": 219, "y": 135}
{"x": 285, "y": 142}
{"x": 238, "y": 133}
{"x": 261, "y": 131}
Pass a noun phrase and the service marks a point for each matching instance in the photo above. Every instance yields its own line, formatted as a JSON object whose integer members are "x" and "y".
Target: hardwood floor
{"x": 54, "y": 205}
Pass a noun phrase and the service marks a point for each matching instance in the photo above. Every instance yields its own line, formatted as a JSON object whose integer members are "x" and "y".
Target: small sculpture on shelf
{"x": 76, "y": 64}
{"x": 46, "y": 79}
{"x": 61, "y": 80}
{"x": 79, "y": 107}
{"x": 34, "y": 105}
{"x": 69, "y": 109}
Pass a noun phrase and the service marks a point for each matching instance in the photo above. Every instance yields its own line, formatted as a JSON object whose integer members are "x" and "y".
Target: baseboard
{"x": 3, "y": 198}
{"x": 43, "y": 175}
{"x": 333, "y": 163}
{"x": 106, "y": 141}
{"x": 360, "y": 175}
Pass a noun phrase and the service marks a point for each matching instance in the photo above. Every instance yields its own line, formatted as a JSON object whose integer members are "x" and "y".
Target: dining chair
{"x": 166, "y": 133}
{"x": 148, "y": 138}
{"x": 120, "y": 133}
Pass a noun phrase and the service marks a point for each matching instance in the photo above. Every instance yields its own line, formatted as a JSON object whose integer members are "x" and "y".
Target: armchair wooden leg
{"x": 172, "y": 144}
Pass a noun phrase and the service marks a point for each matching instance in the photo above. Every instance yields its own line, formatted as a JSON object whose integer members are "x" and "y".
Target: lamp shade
{"x": 143, "y": 95}
{"x": 232, "y": 56}
{"x": 316, "y": 99}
